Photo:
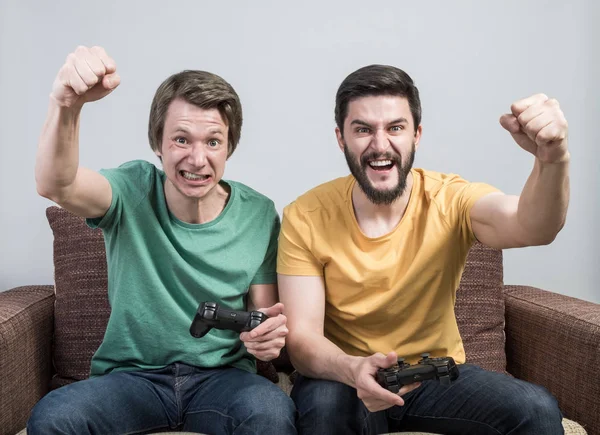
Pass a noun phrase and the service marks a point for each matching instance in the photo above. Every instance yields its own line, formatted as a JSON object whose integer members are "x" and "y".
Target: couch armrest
{"x": 554, "y": 340}
{"x": 26, "y": 326}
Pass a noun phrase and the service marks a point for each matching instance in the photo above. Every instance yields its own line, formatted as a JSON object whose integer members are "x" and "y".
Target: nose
{"x": 380, "y": 142}
{"x": 197, "y": 156}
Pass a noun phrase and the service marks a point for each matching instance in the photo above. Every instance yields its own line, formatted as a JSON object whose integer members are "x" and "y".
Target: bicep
{"x": 494, "y": 221}
{"x": 262, "y": 296}
{"x": 304, "y": 300}
{"x": 89, "y": 196}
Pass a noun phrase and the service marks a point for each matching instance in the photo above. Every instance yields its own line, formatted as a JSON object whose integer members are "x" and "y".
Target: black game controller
{"x": 211, "y": 315}
{"x": 443, "y": 369}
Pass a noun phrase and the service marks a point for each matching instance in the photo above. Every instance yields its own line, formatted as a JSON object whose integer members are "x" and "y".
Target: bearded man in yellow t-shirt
{"x": 369, "y": 265}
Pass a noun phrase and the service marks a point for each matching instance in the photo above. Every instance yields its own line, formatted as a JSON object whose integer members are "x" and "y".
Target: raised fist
{"x": 539, "y": 126}
{"x": 87, "y": 75}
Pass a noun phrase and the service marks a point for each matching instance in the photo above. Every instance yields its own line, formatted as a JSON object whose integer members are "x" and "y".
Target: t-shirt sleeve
{"x": 457, "y": 197}
{"x": 468, "y": 195}
{"x": 295, "y": 256}
{"x": 127, "y": 183}
{"x": 266, "y": 273}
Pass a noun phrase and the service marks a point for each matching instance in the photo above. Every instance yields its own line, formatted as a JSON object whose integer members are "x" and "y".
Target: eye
{"x": 181, "y": 140}
{"x": 362, "y": 130}
{"x": 213, "y": 143}
{"x": 396, "y": 128}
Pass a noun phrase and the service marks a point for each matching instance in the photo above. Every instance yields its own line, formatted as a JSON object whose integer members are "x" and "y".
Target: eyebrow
{"x": 181, "y": 130}
{"x": 360, "y": 122}
{"x": 211, "y": 131}
{"x": 399, "y": 121}
{"x": 366, "y": 124}
{"x": 216, "y": 131}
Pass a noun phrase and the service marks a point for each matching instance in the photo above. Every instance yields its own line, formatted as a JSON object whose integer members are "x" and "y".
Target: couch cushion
{"x": 81, "y": 308}
{"x": 480, "y": 308}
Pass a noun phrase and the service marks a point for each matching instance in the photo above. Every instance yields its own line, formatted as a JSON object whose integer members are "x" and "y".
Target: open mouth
{"x": 381, "y": 165}
{"x": 193, "y": 177}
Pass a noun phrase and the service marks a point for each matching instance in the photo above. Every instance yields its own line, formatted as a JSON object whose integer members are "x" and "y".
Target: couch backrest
{"x": 480, "y": 308}
{"x": 82, "y": 309}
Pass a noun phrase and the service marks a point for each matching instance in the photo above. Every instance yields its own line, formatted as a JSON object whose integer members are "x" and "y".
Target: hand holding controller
{"x": 443, "y": 369}
{"x": 211, "y": 315}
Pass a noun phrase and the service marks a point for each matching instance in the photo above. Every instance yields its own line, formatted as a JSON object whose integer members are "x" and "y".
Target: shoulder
{"x": 322, "y": 206}
{"x": 438, "y": 186}
{"x": 135, "y": 170}
{"x": 325, "y": 197}
{"x": 447, "y": 189}
{"x": 434, "y": 182}
{"x": 133, "y": 178}
{"x": 251, "y": 198}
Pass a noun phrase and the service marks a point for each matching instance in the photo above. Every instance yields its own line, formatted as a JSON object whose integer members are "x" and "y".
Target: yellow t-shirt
{"x": 394, "y": 292}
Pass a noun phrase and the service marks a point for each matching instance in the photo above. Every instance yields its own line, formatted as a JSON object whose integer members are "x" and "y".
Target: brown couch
{"x": 49, "y": 333}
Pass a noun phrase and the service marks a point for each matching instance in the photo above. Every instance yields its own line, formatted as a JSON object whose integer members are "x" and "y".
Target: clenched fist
{"x": 539, "y": 126}
{"x": 87, "y": 75}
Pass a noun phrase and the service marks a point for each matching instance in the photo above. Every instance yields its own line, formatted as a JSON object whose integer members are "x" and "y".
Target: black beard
{"x": 359, "y": 171}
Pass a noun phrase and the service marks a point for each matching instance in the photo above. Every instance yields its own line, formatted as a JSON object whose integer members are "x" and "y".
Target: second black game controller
{"x": 211, "y": 315}
{"x": 443, "y": 369}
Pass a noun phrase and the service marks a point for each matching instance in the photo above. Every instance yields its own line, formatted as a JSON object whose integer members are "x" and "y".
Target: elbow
{"x": 546, "y": 240}
{"x": 43, "y": 190}
{"x": 542, "y": 239}
{"x": 54, "y": 194}
{"x": 540, "y": 235}
{"x": 550, "y": 237}
{"x": 292, "y": 344}
{"x": 42, "y": 186}
{"x": 295, "y": 351}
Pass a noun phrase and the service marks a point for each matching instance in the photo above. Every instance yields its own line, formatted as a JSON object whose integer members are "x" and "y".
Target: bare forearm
{"x": 57, "y": 157}
{"x": 544, "y": 201}
{"x": 315, "y": 356}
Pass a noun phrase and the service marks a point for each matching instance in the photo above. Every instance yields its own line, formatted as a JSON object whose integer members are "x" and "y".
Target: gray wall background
{"x": 470, "y": 60}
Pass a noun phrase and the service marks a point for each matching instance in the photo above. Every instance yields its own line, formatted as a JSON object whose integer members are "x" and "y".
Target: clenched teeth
{"x": 191, "y": 176}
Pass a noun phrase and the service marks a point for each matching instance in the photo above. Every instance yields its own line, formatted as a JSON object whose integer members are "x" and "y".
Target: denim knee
{"x": 55, "y": 415}
{"x": 328, "y": 407}
{"x": 269, "y": 411}
{"x": 536, "y": 411}
{"x": 323, "y": 395}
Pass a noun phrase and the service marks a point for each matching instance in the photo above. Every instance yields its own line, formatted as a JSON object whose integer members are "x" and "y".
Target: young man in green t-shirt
{"x": 174, "y": 238}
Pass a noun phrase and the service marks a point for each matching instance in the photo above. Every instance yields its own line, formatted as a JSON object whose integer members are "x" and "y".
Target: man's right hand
{"x": 88, "y": 74}
{"x": 374, "y": 396}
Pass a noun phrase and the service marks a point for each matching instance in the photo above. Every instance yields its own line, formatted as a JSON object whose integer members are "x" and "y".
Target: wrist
{"x": 56, "y": 105}
{"x": 350, "y": 368}
{"x": 565, "y": 159}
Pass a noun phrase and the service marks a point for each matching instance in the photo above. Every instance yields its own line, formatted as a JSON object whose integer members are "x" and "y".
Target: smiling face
{"x": 379, "y": 141}
{"x": 193, "y": 152}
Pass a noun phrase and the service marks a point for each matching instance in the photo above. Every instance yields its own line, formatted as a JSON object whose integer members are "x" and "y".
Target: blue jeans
{"x": 478, "y": 402}
{"x": 210, "y": 401}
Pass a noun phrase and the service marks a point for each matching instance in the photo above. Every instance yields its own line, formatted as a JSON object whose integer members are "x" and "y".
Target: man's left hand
{"x": 267, "y": 339}
{"x": 539, "y": 126}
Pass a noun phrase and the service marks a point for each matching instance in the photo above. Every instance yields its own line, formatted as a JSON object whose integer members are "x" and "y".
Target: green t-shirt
{"x": 160, "y": 269}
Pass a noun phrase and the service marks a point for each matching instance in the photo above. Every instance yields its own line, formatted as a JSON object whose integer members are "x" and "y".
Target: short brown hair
{"x": 202, "y": 89}
{"x": 374, "y": 80}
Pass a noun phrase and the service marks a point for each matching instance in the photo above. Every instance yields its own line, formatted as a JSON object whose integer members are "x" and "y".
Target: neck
{"x": 196, "y": 210}
{"x": 376, "y": 220}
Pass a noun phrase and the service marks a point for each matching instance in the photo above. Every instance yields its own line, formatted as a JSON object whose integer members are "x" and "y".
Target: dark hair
{"x": 202, "y": 89}
{"x": 375, "y": 80}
